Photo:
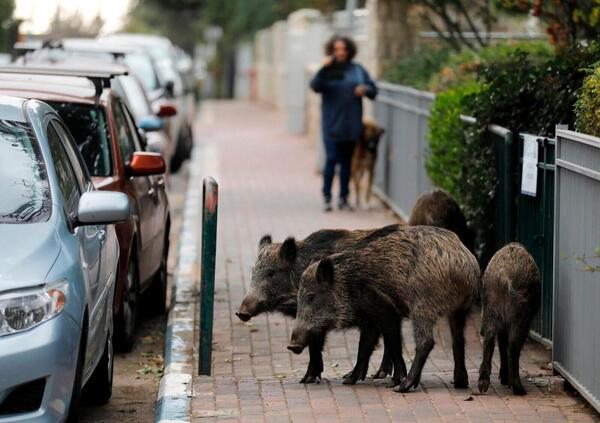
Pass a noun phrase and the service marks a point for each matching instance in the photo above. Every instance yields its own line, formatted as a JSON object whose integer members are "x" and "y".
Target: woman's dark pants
{"x": 337, "y": 152}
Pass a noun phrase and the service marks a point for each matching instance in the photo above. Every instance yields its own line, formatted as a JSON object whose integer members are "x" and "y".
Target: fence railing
{"x": 400, "y": 175}
{"x": 576, "y": 352}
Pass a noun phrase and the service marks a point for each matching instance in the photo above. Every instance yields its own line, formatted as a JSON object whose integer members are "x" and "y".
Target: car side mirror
{"x": 166, "y": 110}
{"x": 146, "y": 164}
{"x": 103, "y": 208}
{"x": 151, "y": 123}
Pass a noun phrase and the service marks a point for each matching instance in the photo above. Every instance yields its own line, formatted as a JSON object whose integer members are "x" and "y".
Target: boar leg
{"x": 387, "y": 365}
{"x": 486, "y": 364}
{"x": 423, "y": 330}
{"x": 392, "y": 341}
{"x": 516, "y": 340}
{"x": 457, "y": 328}
{"x": 315, "y": 363}
{"x": 503, "y": 347}
{"x": 368, "y": 339}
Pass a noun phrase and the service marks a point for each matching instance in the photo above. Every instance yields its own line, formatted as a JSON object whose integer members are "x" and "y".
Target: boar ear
{"x": 265, "y": 240}
{"x": 287, "y": 252}
{"x": 325, "y": 271}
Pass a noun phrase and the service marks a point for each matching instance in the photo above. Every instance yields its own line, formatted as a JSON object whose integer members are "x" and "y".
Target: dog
{"x": 365, "y": 157}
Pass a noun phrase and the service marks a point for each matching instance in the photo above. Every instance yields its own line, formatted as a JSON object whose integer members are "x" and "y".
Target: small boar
{"x": 419, "y": 272}
{"x": 276, "y": 275}
{"x": 438, "y": 208}
{"x": 511, "y": 297}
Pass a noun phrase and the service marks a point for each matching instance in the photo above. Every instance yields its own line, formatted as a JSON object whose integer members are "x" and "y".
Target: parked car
{"x": 111, "y": 147}
{"x": 133, "y": 88}
{"x": 173, "y": 87}
{"x": 58, "y": 268}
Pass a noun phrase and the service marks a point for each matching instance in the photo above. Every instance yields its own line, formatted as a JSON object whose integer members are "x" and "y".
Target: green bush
{"x": 587, "y": 108}
{"x": 524, "y": 91}
{"x": 417, "y": 70}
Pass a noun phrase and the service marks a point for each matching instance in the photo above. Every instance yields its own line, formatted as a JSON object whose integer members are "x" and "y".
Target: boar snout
{"x": 299, "y": 340}
{"x": 248, "y": 308}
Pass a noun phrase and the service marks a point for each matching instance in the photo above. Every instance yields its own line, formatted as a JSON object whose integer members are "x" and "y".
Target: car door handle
{"x": 101, "y": 235}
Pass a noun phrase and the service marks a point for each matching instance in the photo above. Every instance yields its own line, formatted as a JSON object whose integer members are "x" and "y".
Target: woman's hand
{"x": 360, "y": 90}
{"x": 327, "y": 61}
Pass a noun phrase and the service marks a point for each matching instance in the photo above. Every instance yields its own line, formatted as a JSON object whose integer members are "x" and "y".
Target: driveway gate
{"x": 535, "y": 229}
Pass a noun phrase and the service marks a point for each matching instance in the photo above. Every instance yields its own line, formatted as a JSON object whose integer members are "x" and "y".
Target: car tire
{"x": 98, "y": 389}
{"x": 75, "y": 404}
{"x": 183, "y": 150}
{"x": 156, "y": 301}
{"x": 126, "y": 320}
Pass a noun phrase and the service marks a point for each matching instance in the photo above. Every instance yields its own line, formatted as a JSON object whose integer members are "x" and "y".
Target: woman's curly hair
{"x": 350, "y": 46}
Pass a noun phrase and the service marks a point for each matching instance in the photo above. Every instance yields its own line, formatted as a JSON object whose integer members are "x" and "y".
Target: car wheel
{"x": 157, "y": 292}
{"x": 126, "y": 320}
{"x": 75, "y": 404}
{"x": 98, "y": 390}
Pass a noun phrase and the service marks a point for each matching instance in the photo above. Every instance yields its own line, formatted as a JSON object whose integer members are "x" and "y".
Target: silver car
{"x": 58, "y": 264}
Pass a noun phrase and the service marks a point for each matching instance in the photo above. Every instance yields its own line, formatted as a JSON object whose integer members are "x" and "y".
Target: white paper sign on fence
{"x": 530, "y": 169}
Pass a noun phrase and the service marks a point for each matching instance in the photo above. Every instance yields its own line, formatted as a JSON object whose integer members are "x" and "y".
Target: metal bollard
{"x": 210, "y": 203}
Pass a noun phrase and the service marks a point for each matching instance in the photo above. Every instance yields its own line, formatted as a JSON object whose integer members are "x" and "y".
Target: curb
{"x": 174, "y": 394}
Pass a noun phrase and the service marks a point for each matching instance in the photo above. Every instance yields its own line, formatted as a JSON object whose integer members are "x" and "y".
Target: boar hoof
{"x": 484, "y": 385}
{"x": 405, "y": 386}
{"x": 519, "y": 390}
{"x": 503, "y": 378}
{"x": 381, "y": 374}
{"x": 310, "y": 379}
{"x": 349, "y": 381}
{"x": 461, "y": 383}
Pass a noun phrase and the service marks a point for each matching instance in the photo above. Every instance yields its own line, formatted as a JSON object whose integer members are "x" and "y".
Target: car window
{"x": 133, "y": 129}
{"x": 67, "y": 181}
{"x": 137, "y": 99}
{"x": 126, "y": 141}
{"x": 24, "y": 184}
{"x": 89, "y": 127}
{"x": 142, "y": 66}
{"x": 74, "y": 156}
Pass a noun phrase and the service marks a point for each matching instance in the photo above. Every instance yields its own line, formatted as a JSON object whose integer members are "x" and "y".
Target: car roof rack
{"x": 99, "y": 75}
{"x": 118, "y": 52}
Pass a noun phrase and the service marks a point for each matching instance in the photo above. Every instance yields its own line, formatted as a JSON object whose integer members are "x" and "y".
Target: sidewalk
{"x": 267, "y": 184}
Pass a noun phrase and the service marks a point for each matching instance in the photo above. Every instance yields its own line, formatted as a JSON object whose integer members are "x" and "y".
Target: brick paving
{"x": 268, "y": 184}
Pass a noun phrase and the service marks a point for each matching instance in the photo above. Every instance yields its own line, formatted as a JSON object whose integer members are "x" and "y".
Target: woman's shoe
{"x": 327, "y": 205}
{"x": 344, "y": 205}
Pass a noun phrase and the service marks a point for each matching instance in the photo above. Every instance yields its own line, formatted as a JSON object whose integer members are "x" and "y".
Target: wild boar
{"x": 438, "y": 208}
{"x": 511, "y": 298}
{"x": 276, "y": 276}
{"x": 419, "y": 272}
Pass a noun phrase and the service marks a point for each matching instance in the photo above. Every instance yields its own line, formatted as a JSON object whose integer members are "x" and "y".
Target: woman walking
{"x": 342, "y": 85}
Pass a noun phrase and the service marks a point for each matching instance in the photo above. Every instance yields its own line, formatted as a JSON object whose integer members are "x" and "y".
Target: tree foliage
{"x": 452, "y": 19}
{"x": 567, "y": 21}
{"x": 7, "y": 24}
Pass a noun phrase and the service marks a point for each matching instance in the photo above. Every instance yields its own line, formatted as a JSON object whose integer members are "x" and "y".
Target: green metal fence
{"x": 535, "y": 229}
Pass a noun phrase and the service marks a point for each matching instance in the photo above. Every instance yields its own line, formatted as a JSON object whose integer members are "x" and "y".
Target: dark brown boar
{"x": 511, "y": 298}
{"x": 438, "y": 208}
{"x": 419, "y": 272}
{"x": 276, "y": 275}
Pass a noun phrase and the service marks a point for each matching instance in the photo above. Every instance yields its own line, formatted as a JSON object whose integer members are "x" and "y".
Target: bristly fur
{"x": 511, "y": 298}
{"x": 420, "y": 272}
{"x": 276, "y": 273}
{"x": 438, "y": 208}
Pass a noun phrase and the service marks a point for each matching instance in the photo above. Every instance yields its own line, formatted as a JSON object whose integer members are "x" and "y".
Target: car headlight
{"x": 23, "y": 310}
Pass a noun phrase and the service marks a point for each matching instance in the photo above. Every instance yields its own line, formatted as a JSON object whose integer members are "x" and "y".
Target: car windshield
{"x": 142, "y": 66}
{"x": 24, "y": 185}
{"x": 89, "y": 128}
